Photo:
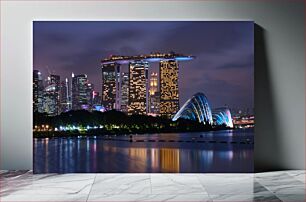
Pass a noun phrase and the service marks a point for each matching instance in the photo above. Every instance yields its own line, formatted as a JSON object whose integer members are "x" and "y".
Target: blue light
{"x": 122, "y": 62}
{"x": 196, "y": 108}
{"x": 98, "y": 107}
{"x": 86, "y": 107}
{"x": 154, "y": 59}
{"x": 148, "y": 58}
{"x": 183, "y": 58}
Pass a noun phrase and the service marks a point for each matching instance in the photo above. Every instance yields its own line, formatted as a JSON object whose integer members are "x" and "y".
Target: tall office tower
{"x": 153, "y": 83}
{"x": 37, "y": 92}
{"x": 64, "y": 96}
{"x": 138, "y": 87}
{"x": 55, "y": 80}
{"x": 124, "y": 91}
{"x": 153, "y": 95}
{"x": 90, "y": 90}
{"x": 51, "y": 103}
{"x": 70, "y": 93}
{"x": 169, "y": 91}
{"x": 79, "y": 92}
{"x": 110, "y": 85}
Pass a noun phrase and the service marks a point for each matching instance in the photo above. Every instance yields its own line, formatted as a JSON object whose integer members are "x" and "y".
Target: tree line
{"x": 113, "y": 122}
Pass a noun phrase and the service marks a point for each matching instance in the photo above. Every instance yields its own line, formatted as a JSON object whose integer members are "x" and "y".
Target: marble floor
{"x": 269, "y": 186}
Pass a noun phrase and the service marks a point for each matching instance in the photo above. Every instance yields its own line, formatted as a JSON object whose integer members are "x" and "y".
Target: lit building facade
{"x": 169, "y": 89}
{"x": 51, "y": 101}
{"x": 64, "y": 96}
{"x": 164, "y": 101}
{"x": 109, "y": 85}
{"x": 50, "y": 105}
{"x": 124, "y": 91}
{"x": 79, "y": 92}
{"x": 89, "y": 90}
{"x": 138, "y": 87}
{"x": 37, "y": 91}
{"x": 153, "y": 83}
{"x": 154, "y": 96}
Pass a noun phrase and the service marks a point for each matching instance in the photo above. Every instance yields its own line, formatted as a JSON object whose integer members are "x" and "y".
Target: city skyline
{"x": 223, "y": 68}
{"x": 54, "y": 95}
{"x": 132, "y": 92}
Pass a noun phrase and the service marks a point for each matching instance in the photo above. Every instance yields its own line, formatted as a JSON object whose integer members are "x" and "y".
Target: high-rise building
{"x": 55, "y": 80}
{"x": 79, "y": 92}
{"x": 110, "y": 85}
{"x": 138, "y": 87}
{"x": 154, "y": 95}
{"x": 64, "y": 96}
{"x": 37, "y": 91}
{"x": 68, "y": 85}
{"x": 49, "y": 104}
{"x": 169, "y": 91}
{"x": 70, "y": 93}
{"x": 90, "y": 90}
{"x": 51, "y": 101}
{"x": 114, "y": 90}
{"x": 124, "y": 91}
{"x": 153, "y": 83}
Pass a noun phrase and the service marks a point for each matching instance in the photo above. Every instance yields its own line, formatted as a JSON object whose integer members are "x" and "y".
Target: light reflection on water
{"x": 66, "y": 155}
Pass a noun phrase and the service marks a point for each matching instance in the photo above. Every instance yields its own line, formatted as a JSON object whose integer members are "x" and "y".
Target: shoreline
{"x": 51, "y": 134}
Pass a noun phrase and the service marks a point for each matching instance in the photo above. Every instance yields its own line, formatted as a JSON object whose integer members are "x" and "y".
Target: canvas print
{"x": 143, "y": 96}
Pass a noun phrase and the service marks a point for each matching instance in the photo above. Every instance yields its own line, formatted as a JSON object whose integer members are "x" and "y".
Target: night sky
{"x": 223, "y": 68}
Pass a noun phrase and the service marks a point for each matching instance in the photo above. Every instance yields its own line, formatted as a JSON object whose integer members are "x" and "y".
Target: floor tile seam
{"x": 286, "y": 181}
{"x": 91, "y": 188}
{"x": 204, "y": 188}
{"x": 275, "y": 193}
{"x": 151, "y": 192}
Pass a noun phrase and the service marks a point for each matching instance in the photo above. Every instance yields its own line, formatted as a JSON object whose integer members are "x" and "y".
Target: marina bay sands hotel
{"x": 134, "y": 92}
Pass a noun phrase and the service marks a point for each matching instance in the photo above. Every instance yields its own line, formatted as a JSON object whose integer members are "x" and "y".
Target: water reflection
{"x": 62, "y": 155}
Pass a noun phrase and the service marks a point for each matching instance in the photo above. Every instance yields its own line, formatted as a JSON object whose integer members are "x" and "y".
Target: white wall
{"x": 279, "y": 85}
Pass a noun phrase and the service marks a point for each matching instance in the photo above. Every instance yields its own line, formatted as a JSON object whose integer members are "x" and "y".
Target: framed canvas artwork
{"x": 143, "y": 96}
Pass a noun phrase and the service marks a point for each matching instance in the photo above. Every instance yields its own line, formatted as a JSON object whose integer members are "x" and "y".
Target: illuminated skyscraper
{"x": 113, "y": 84}
{"x": 153, "y": 83}
{"x": 169, "y": 91}
{"x": 79, "y": 92}
{"x": 109, "y": 85}
{"x": 138, "y": 87}
{"x": 154, "y": 95}
{"x": 51, "y": 101}
{"x": 124, "y": 91}
{"x": 55, "y": 81}
{"x": 90, "y": 90}
{"x": 70, "y": 93}
{"x": 37, "y": 91}
{"x": 64, "y": 96}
